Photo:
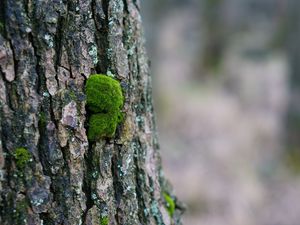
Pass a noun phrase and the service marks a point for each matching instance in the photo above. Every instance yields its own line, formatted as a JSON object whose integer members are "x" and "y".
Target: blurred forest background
{"x": 227, "y": 97}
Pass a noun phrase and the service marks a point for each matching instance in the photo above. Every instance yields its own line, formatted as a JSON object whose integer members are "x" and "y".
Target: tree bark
{"x": 47, "y": 51}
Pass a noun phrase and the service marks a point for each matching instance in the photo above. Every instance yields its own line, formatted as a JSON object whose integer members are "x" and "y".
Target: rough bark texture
{"x": 47, "y": 51}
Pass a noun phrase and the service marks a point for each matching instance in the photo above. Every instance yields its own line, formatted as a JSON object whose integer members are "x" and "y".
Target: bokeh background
{"x": 227, "y": 97}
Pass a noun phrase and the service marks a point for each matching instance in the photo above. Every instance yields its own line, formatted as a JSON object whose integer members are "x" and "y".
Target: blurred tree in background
{"x": 229, "y": 128}
{"x": 292, "y": 134}
{"x": 214, "y": 32}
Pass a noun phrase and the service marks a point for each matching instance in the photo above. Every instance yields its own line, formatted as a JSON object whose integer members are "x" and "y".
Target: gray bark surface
{"x": 47, "y": 51}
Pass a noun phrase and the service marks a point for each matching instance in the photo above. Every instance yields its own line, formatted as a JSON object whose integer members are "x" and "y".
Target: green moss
{"x": 104, "y": 101}
{"x": 121, "y": 117}
{"x": 22, "y": 157}
{"x": 104, "y": 94}
{"x": 20, "y": 213}
{"x": 104, "y": 220}
{"x": 170, "y": 204}
{"x": 1, "y": 28}
{"x": 72, "y": 95}
{"x": 102, "y": 125}
{"x": 43, "y": 120}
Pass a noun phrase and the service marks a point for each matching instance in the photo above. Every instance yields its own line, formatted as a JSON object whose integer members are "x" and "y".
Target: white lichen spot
{"x": 28, "y": 29}
{"x": 94, "y": 54}
{"x": 131, "y": 51}
{"x": 46, "y": 94}
{"x": 77, "y": 9}
{"x": 95, "y": 174}
{"x": 139, "y": 119}
{"x": 109, "y": 52}
{"x": 111, "y": 22}
{"x": 90, "y": 14}
{"x": 37, "y": 202}
{"x": 77, "y": 190}
{"x": 2, "y": 172}
{"x": 94, "y": 196}
{"x": 128, "y": 161}
{"x": 110, "y": 74}
{"x": 49, "y": 40}
{"x": 52, "y": 20}
{"x": 146, "y": 211}
{"x": 128, "y": 188}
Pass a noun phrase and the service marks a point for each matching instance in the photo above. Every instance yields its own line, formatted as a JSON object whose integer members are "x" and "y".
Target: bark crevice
{"x": 100, "y": 17}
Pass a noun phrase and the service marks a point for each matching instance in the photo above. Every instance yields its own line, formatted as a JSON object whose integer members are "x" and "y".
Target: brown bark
{"x": 48, "y": 48}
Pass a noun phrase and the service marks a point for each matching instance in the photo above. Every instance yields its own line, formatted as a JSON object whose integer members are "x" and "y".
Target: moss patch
{"x": 22, "y": 157}
{"x": 102, "y": 125}
{"x": 104, "y": 101}
{"x": 104, "y": 220}
{"x": 104, "y": 94}
{"x": 170, "y": 204}
{"x": 20, "y": 213}
{"x": 43, "y": 120}
{"x": 1, "y": 27}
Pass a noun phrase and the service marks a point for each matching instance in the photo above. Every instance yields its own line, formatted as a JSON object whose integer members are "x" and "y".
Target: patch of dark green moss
{"x": 72, "y": 95}
{"x": 104, "y": 220}
{"x": 1, "y": 27}
{"x": 170, "y": 204}
{"x": 102, "y": 125}
{"x": 20, "y": 213}
{"x": 104, "y": 94}
{"x": 104, "y": 102}
{"x": 22, "y": 157}
{"x": 42, "y": 120}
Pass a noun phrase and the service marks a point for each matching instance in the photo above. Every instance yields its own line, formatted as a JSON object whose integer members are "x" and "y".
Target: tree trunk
{"x": 214, "y": 34}
{"x": 50, "y": 172}
{"x": 293, "y": 48}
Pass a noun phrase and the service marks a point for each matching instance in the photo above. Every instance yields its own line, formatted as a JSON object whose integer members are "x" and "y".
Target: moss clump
{"x": 22, "y": 157}
{"x": 170, "y": 204}
{"x": 104, "y": 94}
{"x": 104, "y": 220}
{"x": 104, "y": 101}
{"x": 102, "y": 125}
